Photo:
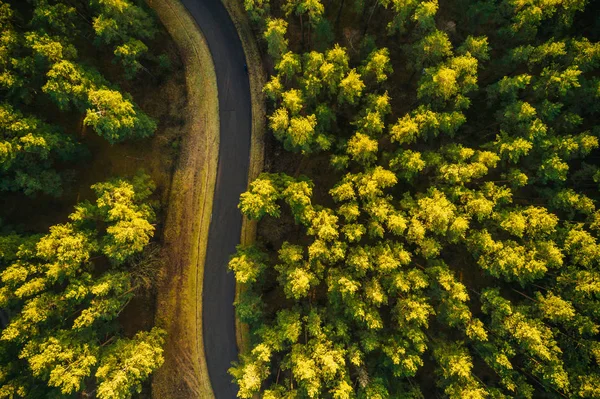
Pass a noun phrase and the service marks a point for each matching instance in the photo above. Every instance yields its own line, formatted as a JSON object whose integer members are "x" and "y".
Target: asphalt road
{"x": 232, "y": 176}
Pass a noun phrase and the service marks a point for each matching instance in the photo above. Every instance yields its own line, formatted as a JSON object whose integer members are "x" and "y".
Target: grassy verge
{"x": 258, "y": 78}
{"x": 179, "y": 304}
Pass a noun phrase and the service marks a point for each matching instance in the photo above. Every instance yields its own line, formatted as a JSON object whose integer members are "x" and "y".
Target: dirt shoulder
{"x": 179, "y": 304}
{"x": 258, "y": 78}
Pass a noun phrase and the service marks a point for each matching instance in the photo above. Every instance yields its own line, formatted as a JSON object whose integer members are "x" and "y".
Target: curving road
{"x": 232, "y": 176}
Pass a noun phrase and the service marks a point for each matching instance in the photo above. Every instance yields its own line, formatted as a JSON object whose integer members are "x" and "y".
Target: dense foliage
{"x": 63, "y": 333}
{"x": 63, "y": 291}
{"x": 44, "y": 74}
{"x": 453, "y": 235}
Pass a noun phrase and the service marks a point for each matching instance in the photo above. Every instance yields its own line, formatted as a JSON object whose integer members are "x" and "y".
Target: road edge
{"x": 179, "y": 304}
{"x": 258, "y": 77}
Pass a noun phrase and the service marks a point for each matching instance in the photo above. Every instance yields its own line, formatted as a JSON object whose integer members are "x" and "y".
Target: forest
{"x": 427, "y": 221}
{"x": 427, "y": 215}
{"x": 72, "y": 258}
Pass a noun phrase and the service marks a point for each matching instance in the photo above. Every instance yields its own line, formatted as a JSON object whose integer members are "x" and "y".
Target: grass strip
{"x": 179, "y": 305}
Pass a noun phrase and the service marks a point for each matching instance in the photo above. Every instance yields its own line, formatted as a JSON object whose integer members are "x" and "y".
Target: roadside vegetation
{"x": 428, "y": 222}
{"x": 179, "y": 298}
{"x": 84, "y": 101}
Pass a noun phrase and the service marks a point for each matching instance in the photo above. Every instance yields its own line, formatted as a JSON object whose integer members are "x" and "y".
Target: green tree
{"x": 530, "y": 336}
{"x": 29, "y": 148}
{"x": 275, "y": 36}
{"x": 261, "y": 199}
{"x": 456, "y": 370}
{"x": 351, "y": 88}
{"x": 247, "y": 264}
{"x": 127, "y": 363}
{"x": 362, "y": 148}
{"x": 464, "y": 232}
{"x": 124, "y": 25}
{"x": 450, "y": 82}
{"x": 116, "y": 118}
{"x": 378, "y": 65}
{"x": 257, "y": 9}
{"x": 129, "y": 54}
{"x": 110, "y": 114}
{"x": 406, "y": 11}
{"x": 432, "y": 49}
{"x": 39, "y": 60}
{"x": 62, "y": 321}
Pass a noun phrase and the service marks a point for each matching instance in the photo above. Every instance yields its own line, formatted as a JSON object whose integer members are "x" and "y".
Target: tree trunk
{"x": 302, "y": 32}
{"x": 370, "y": 16}
{"x": 339, "y": 14}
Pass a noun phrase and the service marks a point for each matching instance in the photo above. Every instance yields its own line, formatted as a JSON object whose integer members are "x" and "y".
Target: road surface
{"x": 232, "y": 176}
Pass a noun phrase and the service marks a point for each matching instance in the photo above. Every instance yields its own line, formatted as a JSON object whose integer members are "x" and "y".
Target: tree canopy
{"x": 452, "y": 236}
{"x": 47, "y": 76}
{"x": 62, "y": 293}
